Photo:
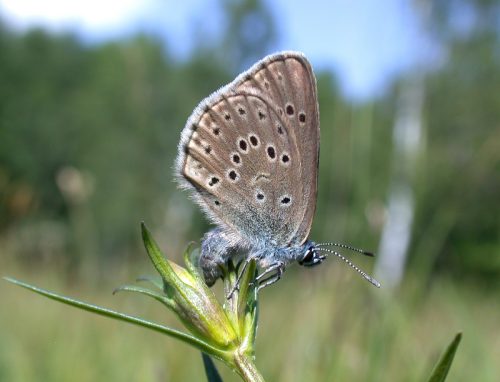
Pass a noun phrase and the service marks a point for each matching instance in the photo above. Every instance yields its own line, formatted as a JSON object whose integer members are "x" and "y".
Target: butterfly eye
{"x": 308, "y": 258}
{"x": 311, "y": 258}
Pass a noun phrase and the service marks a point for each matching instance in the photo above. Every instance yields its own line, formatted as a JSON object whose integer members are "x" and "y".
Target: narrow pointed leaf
{"x": 191, "y": 258}
{"x": 158, "y": 297}
{"x": 443, "y": 366}
{"x": 210, "y": 369}
{"x": 155, "y": 281}
{"x": 154, "y": 253}
{"x": 201, "y": 345}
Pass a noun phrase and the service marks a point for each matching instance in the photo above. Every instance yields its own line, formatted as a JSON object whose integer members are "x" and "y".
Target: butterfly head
{"x": 315, "y": 253}
{"x": 311, "y": 256}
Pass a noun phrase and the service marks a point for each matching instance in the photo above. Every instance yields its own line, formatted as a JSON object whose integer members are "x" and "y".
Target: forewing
{"x": 250, "y": 151}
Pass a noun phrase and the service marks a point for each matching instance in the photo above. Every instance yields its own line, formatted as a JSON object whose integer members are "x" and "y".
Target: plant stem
{"x": 246, "y": 368}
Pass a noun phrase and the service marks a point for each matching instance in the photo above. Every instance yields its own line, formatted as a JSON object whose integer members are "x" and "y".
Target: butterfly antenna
{"x": 362, "y": 251}
{"x": 366, "y": 276}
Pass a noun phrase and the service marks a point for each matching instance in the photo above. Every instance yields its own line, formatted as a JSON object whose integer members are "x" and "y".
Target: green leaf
{"x": 154, "y": 253}
{"x": 443, "y": 366}
{"x": 157, "y": 282}
{"x": 184, "y": 337}
{"x": 169, "y": 303}
{"x": 210, "y": 369}
{"x": 191, "y": 259}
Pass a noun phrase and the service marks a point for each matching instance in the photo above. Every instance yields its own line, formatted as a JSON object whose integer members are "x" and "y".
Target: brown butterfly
{"x": 249, "y": 154}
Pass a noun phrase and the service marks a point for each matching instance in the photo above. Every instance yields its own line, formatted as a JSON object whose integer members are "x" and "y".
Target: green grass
{"x": 318, "y": 325}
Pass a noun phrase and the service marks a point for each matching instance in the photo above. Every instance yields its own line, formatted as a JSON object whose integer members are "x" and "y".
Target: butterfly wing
{"x": 249, "y": 152}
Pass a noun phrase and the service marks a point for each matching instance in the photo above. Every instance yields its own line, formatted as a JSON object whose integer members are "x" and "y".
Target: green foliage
{"x": 457, "y": 226}
{"x": 112, "y": 114}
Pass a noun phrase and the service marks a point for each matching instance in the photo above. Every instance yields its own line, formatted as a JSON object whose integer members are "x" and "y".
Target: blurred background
{"x": 93, "y": 97}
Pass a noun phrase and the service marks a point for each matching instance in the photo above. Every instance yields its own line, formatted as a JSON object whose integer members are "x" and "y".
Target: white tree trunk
{"x": 407, "y": 142}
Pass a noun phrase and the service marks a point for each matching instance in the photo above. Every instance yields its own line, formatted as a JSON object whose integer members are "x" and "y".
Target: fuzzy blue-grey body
{"x": 219, "y": 246}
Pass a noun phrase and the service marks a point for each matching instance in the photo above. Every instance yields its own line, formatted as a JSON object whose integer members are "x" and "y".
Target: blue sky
{"x": 367, "y": 42}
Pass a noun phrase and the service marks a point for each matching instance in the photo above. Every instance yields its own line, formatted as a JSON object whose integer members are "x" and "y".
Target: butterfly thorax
{"x": 268, "y": 255}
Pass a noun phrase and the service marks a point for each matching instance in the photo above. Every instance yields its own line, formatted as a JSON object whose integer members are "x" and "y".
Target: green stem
{"x": 246, "y": 368}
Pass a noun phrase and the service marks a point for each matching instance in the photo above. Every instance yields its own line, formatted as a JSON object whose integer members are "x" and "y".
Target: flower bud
{"x": 194, "y": 303}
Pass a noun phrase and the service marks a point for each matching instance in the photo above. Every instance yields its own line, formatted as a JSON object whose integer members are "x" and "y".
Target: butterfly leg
{"x": 276, "y": 269}
{"x": 238, "y": 279}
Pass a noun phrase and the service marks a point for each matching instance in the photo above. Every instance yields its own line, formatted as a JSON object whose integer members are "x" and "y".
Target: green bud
{"x": 193, "y": 302}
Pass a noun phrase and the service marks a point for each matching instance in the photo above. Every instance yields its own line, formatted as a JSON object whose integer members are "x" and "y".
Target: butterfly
{"x": 249, "y": 156}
